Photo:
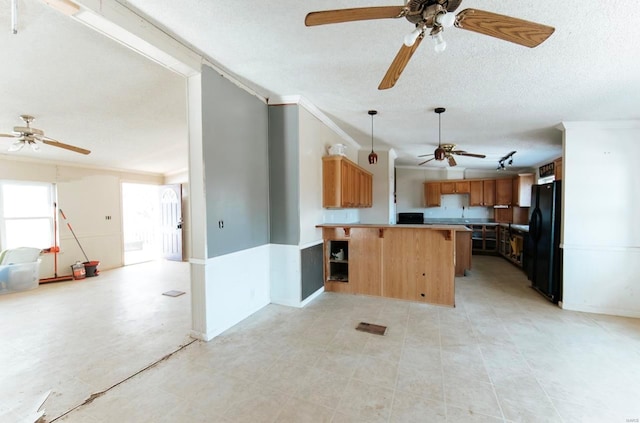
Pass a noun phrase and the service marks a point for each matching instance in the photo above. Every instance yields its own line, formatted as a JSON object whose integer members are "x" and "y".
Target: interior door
{"x": 171, "y": 221}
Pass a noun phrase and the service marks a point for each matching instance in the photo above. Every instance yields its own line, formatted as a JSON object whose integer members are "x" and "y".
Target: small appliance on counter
{"x": 410, "y": 218}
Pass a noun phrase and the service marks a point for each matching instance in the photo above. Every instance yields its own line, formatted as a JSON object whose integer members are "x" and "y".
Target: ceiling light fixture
{"x": 440, "y": 152}
{"x": 373, "y": 157}
{"x": 508, "y": 157}
{"x": 410, "y": 38}
{"x": 440, "y": 43}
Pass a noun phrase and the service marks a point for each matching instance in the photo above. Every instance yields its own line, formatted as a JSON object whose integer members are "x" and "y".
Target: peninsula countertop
{"x": 460, "y": 228}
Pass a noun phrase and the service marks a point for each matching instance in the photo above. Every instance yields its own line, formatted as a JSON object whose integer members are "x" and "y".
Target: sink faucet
{"x": 462, "y": 212}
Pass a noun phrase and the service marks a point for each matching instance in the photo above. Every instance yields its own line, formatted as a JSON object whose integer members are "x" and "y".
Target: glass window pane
{"x": 28, "y": 233}
{"x": 21, "y": 200}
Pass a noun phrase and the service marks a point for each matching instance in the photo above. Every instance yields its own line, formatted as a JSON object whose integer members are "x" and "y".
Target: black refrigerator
{"x": 544, "y": 257}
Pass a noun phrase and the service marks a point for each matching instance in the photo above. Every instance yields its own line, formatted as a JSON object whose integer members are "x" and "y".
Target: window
{"x": 26, "y": 214}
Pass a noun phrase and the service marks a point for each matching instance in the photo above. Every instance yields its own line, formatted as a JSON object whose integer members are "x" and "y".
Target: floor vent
{"x": 371, "y": 328}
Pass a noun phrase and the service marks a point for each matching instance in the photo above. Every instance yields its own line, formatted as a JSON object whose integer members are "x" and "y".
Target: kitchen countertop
{"x": 452, "y": 227}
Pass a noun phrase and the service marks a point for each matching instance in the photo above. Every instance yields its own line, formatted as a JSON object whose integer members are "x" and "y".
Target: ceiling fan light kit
{"x": 28, "y": 135}
{"x": 436, "y": 15}
{"x": 373, "y": 157}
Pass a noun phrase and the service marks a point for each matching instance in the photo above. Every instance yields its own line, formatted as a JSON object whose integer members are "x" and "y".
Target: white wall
{"x": 383, "y": 178}
{"x": 86, "y": 196}
{"x": 601, "y": 206}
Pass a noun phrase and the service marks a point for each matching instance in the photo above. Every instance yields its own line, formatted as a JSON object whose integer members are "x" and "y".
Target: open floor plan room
{"x": 503, "y": 353}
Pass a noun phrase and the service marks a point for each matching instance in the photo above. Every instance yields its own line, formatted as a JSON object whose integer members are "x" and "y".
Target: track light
{"x": 508, "y": 157}
{"x": 410, "y": 38}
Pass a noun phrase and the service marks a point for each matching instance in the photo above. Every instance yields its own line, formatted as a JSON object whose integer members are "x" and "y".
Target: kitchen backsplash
{"x": 452, "y": 208}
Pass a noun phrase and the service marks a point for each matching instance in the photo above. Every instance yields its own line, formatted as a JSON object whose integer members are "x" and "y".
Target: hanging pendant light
{"x": 440, "y": 152}
{"x": 373, "y": 157}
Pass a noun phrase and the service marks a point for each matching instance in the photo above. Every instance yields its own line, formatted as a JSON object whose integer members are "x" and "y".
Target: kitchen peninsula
{"x": 410, "y": 262}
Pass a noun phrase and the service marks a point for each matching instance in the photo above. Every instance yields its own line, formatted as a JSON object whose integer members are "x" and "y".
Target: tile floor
{"x": 503, "y": 354}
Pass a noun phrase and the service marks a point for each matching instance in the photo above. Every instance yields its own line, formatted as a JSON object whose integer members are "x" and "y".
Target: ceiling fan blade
{"x": 464, "y": 153}
{"x": 8, "y": 136}
{"x": 426, "y": 161}
{"x": 54, "y": 143}
{"x": 426, "y": 155}
{"x": 452, "y": 161}
{"x": 519, "y": 31}
{"x": 398, "y": 65}
{"x": 356, "y": 14}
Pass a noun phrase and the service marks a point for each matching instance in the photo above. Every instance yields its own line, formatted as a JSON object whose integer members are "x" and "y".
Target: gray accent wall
{"x": 236, "y": 166}
{"x": 284, "y": 174}
{"x": 311, "y": 270}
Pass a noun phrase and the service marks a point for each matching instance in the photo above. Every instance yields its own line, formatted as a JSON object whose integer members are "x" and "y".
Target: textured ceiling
{"x": 499, "y": 96}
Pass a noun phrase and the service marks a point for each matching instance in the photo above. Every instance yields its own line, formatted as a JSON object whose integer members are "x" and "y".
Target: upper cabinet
{"x": 476, "y": 193}
{"x": 432, "y": 194}
{"x": 557, "y": 169}
{"x": 489, "y": 192}
{"x": 454, "y": 187}
{"x": 345, "y": 184}
{"x": 522, "y": 189}
{"x": 504, "y": 191}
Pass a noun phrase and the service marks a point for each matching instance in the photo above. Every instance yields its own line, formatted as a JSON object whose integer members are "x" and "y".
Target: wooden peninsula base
{"x": 409, "y": 262}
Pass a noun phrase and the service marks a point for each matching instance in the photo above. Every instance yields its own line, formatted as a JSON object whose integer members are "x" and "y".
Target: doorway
{"x": 140, "y": 222}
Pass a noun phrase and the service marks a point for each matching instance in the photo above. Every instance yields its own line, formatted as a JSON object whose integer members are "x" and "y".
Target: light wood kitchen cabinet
{"x": 484, "y": 238}
{"x": 522, "y": 189}
{"x": 503, "y": 215}
{"x": 417, "y": 266}
{"x": 504, "y": 191}
{"x": 345, "y": 184}
{"x": 476, "y": 193}
{"x": 557, "y": 169}
{"x": 416, "y": 263}
{"x": 432, "y": 194}
{"x": 489, "y": 192}
{"x": 454, "y": 187}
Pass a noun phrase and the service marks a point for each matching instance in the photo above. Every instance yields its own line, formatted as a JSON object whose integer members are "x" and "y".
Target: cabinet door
{"x": 435, "y": 269}
{"x": 432, "y": 194}
{"x": 365, "y": 261}
{"x": 463, "y": 187}
{"x": 331, "y": 184}
{"x": 399, "y": 269}
{"x": 489, "y": 192}
{"x": 522, "y": 190}
{"x": 447, "y": 188}
{"x": 504, "y": 190}
{"x": 475, "y": 193}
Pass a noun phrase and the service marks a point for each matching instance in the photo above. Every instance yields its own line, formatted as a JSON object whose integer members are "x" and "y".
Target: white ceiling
{"x": 88, "y": 91}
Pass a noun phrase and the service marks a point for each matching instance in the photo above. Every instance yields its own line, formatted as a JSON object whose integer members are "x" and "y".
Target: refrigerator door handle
{"x": 537, "y": 214}
{"x": 532, "y": 225}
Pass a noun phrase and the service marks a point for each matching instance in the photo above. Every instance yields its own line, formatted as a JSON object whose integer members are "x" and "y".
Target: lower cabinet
{"x": 484, "y": 238}
{"x": 404, "y": 263}
{"x": 512, "y": 246}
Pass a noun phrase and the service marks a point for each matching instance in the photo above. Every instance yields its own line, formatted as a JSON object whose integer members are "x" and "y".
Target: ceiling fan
{"x": 26, "y": 135}
{"x": 446, "y": 151}
{"x": 432, "y": 17}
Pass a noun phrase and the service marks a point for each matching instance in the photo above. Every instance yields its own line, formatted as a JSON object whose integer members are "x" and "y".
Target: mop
{"x": 88, "y": 263}
{"x": 55, "y": 250}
